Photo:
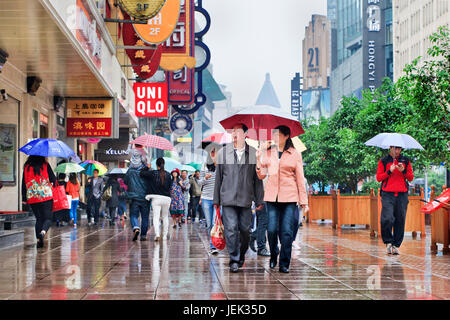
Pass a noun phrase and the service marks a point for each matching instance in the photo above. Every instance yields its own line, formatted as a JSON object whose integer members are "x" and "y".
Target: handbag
{"x": 217, "y": 233}
{"x": 107, "y": 194}
{"x": 60, "y": 201}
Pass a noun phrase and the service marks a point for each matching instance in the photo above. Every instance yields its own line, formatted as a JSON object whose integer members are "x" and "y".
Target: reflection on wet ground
{"x": 104, "y": 263}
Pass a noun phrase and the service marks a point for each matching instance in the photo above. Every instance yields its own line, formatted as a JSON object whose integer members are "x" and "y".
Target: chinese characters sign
{"x": 89, "y": 118}
{"x": 181, "y": 86}
{"x": 150, "y": 99}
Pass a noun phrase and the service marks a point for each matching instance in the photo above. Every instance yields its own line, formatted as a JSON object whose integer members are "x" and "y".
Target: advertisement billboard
{"x": 316, "y": 103}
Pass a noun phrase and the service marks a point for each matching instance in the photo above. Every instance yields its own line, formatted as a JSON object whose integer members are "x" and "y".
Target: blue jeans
{"x": 259, "y": 234}
{"x": 142, "y": 208}
{"x": 282, "y": 224}
{"x": 73, "y": 211}
{"x": 208, "y": 209}
{"x": 122, "y": 207}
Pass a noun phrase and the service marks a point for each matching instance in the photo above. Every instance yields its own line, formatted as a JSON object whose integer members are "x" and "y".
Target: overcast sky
{"x": 251, "y": 37}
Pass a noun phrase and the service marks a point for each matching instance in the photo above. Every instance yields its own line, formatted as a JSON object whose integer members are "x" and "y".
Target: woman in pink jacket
{"x": 284, "y": 189}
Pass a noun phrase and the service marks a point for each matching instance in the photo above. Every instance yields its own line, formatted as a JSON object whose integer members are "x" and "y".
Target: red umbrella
{"x": 261, "y": 120}
{"x": 157, "y": 142}
{"x": 217, "y": 138}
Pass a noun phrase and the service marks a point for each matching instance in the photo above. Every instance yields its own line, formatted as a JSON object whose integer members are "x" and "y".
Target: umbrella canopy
{"x": 152, "y": 141}
{"x": 298, "y": 144}
{"x": 217, "y": 138}
{"x": 47, "y": 148}
{"x": 197, "y": 166}
{"x": 386, "y": 140}
{"x": 117, "y": 171}
{"x": 169, "y": 165}
{"x": 69, "y": 168}
{"x": 264, "y": 118}
{"x": 187, "y": 168}
{"x": 91, "y": 165}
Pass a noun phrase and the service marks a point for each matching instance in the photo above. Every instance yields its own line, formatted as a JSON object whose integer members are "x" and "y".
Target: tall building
{"x": 414, "y": 22}
{"x": 316, "y": 68}
{"x": 363, "y": 47}
{"x": 267, "y": 95}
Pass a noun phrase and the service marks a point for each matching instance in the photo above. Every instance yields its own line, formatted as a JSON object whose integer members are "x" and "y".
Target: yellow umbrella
{"x": 298, "y": 144}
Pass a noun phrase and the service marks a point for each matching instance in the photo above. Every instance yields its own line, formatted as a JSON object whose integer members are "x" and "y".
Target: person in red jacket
{"x": 37, "y": 182}
{"x": 393, "y": 172}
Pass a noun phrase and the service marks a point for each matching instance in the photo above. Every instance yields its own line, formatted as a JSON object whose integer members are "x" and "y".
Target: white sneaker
{"x": 389, "y": 248}
{"x": 395, "y": 250}
{"x": 157, "y": 238}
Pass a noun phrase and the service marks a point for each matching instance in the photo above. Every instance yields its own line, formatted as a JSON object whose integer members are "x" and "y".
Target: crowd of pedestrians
{"x": 262, "y": 189}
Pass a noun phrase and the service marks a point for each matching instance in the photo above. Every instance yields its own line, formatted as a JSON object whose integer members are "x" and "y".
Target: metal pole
{"x": 426, "y": 183}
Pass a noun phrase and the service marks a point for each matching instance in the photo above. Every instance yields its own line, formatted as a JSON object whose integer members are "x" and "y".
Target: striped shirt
{"x": 208, "y": 185}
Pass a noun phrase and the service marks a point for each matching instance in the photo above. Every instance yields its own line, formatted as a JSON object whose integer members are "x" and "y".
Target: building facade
{"x": 363, "y": 47}
{"x": 414, "y": 22}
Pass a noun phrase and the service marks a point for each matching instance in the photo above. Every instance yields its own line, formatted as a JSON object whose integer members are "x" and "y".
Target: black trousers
{"x": 259, "y": 234}
{"x": 237, "y": 222}
{"x": 194, "y": 207}
{"x": 94, "y": 205}
{"x": 393, "y": 216}
{"x": 43, "y": 213}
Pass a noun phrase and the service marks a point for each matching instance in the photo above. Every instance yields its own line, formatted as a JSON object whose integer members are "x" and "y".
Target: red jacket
{"x": 394, "y": 181}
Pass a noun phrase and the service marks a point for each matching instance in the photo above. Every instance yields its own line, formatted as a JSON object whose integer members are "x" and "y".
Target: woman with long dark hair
{"x": 284, "y": 189}
{"x": 159, "y": 182}
{"x": 37, "y": 182}
{"x": 73, "y": 189}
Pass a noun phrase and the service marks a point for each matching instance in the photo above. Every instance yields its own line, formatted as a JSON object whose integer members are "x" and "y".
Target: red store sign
{"x": 151, "y": 100}
{"x": 89, "y": 127}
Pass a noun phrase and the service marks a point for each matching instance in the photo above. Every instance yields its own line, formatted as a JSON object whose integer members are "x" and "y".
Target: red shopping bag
{"x": 217, "y": 235}
{"x": 60, "y": 201}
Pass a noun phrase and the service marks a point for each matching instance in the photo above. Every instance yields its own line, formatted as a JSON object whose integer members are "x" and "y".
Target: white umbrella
{"x": 387, "y": 140}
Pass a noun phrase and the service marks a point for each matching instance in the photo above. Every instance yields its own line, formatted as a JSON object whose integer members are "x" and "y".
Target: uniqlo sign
{"x": 150, "y": 100}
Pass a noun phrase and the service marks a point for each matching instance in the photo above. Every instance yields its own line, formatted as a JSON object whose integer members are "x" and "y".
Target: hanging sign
{"x": 180, "y": 124}
{"x": 181, "y": 86}
{"x": 142, "y": 9}
{"x": 87, "y": 34}
{"x": 150, "y": 99}
{"x": 161, "y": 27}
{"x": 178, "y": 50}
{"x": 89, "y": 118}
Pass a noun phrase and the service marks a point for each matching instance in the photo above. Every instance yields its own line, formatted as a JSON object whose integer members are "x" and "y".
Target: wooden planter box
{"x": 321, "y": 207}
{"x": 440, "y": 226}
{"x": 353, "y": 210}
{"x": 415, "y": 219}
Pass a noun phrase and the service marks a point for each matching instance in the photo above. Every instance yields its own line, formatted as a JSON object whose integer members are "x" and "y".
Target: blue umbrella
{"x": 47, "y": 148}
{"x": 169, "y": 165}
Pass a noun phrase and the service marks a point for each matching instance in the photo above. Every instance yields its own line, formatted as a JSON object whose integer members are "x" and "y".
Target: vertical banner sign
{"x": 89, "y": 118}
{"x": 87, "y": 34}
{"x": 178, "y": 57}
{"x": 374, "y": 33}
{"x": 151, "y": 100}
{"x": 295, "y": 95}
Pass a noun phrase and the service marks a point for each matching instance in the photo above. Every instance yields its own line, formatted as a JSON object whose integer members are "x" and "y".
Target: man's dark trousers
{"x": 237, "y": 222}
{"x": 393, "y": 215}
{"x": 194, "y": 206}
{"x": 262, "y": 221}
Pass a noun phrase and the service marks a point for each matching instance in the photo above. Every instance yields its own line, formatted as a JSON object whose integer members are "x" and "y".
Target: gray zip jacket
{"x": 236, "y": 181}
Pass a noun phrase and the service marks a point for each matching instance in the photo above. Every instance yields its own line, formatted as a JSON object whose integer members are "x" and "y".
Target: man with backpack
{"x": 394, "y": 172}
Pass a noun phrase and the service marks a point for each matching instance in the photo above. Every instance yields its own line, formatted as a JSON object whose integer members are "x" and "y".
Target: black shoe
{"x": 174, "y": 226}
{"x": 143, "y": 238}
{"x": 179, "y": 224}
{"x": 273, "y": 263}
{"x": 40, "y": 238}
{"x": 136, "y": 234}
{"x": 264, "y": 253}
{"x": 241, "y": 263}
{"x": 284, "y": 270}
{"x": 252, "y": 245}
{"x": 234, "y": 267}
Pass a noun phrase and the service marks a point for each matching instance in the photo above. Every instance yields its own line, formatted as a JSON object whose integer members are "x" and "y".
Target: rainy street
{"x": 104, "y": 263}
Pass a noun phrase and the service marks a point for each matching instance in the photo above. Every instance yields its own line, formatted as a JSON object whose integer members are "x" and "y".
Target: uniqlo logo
{"x": 150, "y": 100}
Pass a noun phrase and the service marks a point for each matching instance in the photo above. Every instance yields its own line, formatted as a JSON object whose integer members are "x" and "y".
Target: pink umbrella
{"x": 157, "y": 142}
{"x": 261, "y": 120}
{"x": 216, "y": 138}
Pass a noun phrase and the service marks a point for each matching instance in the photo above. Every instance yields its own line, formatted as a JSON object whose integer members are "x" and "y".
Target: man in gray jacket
{"x": 236, "y": 186}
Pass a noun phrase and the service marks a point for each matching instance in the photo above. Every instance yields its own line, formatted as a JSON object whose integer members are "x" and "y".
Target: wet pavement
{"x": 103, "y": 262}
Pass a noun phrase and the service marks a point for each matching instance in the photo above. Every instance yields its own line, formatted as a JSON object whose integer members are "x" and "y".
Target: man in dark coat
{"x": 113, "y": 202}
{"x": 236, "y": 186}
{"x": 136, "y": 191}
